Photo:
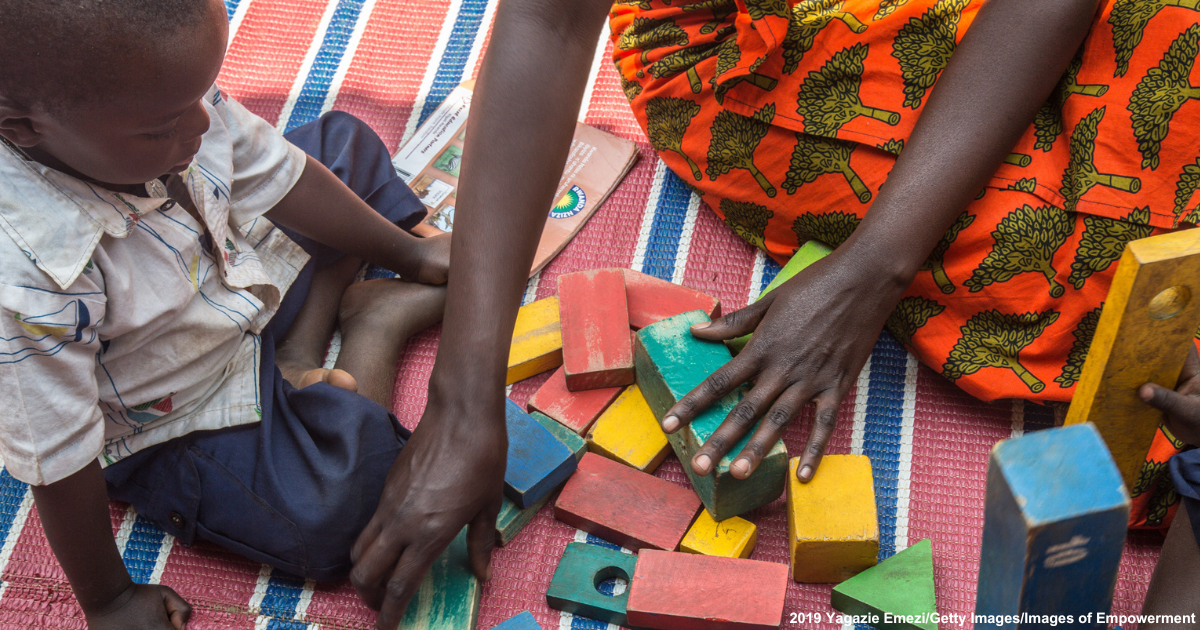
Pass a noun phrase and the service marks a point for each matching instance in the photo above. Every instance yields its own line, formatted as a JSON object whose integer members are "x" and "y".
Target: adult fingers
{"x": 717, "y": 385}
{"x": 178, "y": 610}
{"x": 481, "y": 540}
{"x": 827, "y": 403}
{"x": 1170, "y": 402}
{"x": 411, "y": 569}
{"x": 735, "y": 324}
{"x": 739, "y": 421}
{"x": 1191, "y": 369}
{"x": 376, "y": 561}
{"x": 785, "y": 408}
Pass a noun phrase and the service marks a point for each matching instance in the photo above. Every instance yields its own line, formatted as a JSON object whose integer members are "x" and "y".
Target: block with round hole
{"x": 577, "y": 581}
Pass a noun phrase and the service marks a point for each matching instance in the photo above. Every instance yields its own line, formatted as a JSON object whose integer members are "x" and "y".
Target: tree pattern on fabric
{"x": 893, "y": 146}
{"x": 995, "y": 339}
{"x": 1025, "y": 241}
{"x": 887, "y": 7}
{"x": 759, "y": 9}
{"x": 641, "y": 4}
{"x": 1185, "y": 188}
{"x": 721, "y": 10}
{"x": 831, "y": 228}
{"x": 810, "y": 17}
{"x": 631, "y": 88}
{"x": 828, "y": 98}
{"x": 1081, "y": 175}
{"x": 814, "y": 157}
{"x": 1025, "y": 184}
{"x": 1048, "y": 123}
{"x": 1165, "y": 497}
{"x": 1079, "y": 349}
{"x": 668, "y": 119}
{"x": 649, "y": 34}
{"x": 728, "y": 57}
{"x": 1103, "y": 241}
{"x": 910, "y": 314}
{"x": 923, "y": 47}
{"x": 934, "y": 263}
{"x": 748, "y": 220}
{"x": 683, "y": 60}
{"x": 734, "y": 140}
{"x": 1161, "y": 93}
{"x": 1018, "y": 159}
{"x": 1129, "y": 19}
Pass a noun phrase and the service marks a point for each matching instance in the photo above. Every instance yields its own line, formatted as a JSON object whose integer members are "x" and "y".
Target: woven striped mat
{"x": 391, "y": 62}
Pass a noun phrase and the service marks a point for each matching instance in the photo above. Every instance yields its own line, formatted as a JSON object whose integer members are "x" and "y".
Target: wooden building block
{"x": 652, "y": 299}
{"x": 574, "y": 410}
{"x": 809, "y": 253}
{"x": 537, "y": 461}
{"x": 521, "y": 621}
{"x": 582, "y": 568}
{"x": 513, "y": 518}
{"x": 1144, "y": 333}
{"x": 628, "y": 432}
{"x": 670, "y": 363}
{"x": 1053, "y": 526}
{"x": 448, "y": 598}
{"x": 569, "y": 438}
{"x": 625, "y": 506}
{"x": 731, "y": 538}
{"x": 902, "y": 585}
{"x": 682, "y": 591}
{"x": 595, "y": 327}
{"x": 536, "y": 342}
{"x": 833, "y": 530}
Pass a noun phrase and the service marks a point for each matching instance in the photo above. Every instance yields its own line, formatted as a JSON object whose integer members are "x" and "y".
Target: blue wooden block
{"x": 537, "y": 461}
{"x": 578, "y": 578}
{"x": 1054, "y": 528}
{"x": 521, "y": 621}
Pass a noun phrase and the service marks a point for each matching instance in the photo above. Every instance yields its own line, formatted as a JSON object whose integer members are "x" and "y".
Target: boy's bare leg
{"x": 1175, "y": 587}
{"x": 376, "y": 319}
{"x": 300, "y": 354}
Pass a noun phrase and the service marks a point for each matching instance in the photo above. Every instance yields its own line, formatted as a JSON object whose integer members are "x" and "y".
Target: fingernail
{"x": 742, "y": 467}
{"x": 701, "y": 325}
{"x": 703, "y": 462}
{"x": 1145, "y": 392}
{"x": 670, "y": 424}
{"x": 806, "y": 472}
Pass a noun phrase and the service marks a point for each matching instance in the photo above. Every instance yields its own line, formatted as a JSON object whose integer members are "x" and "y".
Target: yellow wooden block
{"x": 833, "y": 531}
{"x": 537, "y": 341}
{"x": 733, "y": 537}
{"x": 627, "y": 432}
{"x": 1145, "y": 329}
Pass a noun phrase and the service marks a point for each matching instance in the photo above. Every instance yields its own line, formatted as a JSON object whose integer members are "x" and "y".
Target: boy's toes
{"x": 337, "y": 378}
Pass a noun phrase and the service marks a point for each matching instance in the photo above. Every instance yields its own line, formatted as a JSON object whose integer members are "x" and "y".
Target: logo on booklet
{"x": 571, "y": 204}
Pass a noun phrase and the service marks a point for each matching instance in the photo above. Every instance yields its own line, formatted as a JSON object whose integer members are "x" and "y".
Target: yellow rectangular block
{"x": 833, "y": 530}
{"x": 1142, "y": 336}
{"x": 627, "y": 432}
{"x": 537, "y": 341}
{"x": 732, "y": 538}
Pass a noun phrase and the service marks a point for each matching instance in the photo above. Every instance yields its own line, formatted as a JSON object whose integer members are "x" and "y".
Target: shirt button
{"x": 176, "y": 519}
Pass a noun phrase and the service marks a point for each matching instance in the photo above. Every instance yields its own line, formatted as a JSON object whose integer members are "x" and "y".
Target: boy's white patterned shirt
{"x": 125, "y": 323}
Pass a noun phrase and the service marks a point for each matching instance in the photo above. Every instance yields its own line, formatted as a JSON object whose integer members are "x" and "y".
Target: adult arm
{"x": 815, "y": 332}
{"x": 451, "y": 472}
{"x": 74, "y": 515}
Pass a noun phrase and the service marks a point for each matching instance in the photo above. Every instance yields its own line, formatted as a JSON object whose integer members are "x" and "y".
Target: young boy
{"x": 171, "y": 270}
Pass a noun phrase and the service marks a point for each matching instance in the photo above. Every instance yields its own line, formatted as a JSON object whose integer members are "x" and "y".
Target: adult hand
{"x": 1181, "y": 407}
{"x": 450, "y": 474}
{"x": 812, "y": 336}
{"x": 142, "y": 607}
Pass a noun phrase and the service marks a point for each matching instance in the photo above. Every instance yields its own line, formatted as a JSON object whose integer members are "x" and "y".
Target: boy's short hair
{"x": 56, "y": 54}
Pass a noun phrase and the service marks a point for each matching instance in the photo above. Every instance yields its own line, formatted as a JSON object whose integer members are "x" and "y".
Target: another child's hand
{"x": 142, "y": 607}
{"x": 434, "y": 263}
{"x": 1182, "y": 406}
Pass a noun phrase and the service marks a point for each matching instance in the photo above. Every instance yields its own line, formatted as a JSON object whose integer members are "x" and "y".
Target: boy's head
{"x": 109, "y": 89}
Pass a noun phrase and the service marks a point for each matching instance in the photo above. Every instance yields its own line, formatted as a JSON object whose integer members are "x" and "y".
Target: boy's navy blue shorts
{"x": 295, "y": 490}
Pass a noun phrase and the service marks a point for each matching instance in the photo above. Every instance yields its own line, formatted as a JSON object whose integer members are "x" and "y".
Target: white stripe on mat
{"x": 756, "y": 276}
{"x": 904, "y": 474}
{"x": 335, "y": 85}
{"x": 685, "y": 239}
{"x": 431, "y": 69}
{"x": 14, "y": 534}
{"x": 239, "y": 15}
{"x": 643, "y": 242}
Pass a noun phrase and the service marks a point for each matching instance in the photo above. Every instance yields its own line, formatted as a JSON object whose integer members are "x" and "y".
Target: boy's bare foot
{"x": 390, "y": 310}
{"x": 432, "y": 260}
{"x": 301, "y": 377}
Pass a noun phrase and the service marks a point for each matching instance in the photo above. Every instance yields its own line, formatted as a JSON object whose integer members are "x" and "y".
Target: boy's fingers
{"x": 719, "y": 383}
{"x": 785, "y": 408}
{"x": 827, "y": 403}
{"x": 481, "y": 540}
{"x": 733, "y": 325}
{"x": 739, "y": 421}
{"x": 411, "y": 569}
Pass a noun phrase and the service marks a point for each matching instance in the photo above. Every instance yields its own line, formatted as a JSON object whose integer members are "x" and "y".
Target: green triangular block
{"x": 901, "y": 585}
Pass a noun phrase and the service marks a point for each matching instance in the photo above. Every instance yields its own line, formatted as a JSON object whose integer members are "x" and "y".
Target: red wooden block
{"x": 574, "y": 410}
{"x": 683, "y": 591}
{"x": 626, "y": 506}
{"x": 595, "y": 329}
{"x": 652, "y": 299}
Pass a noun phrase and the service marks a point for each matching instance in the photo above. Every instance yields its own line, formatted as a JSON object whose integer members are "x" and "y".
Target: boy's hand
{"x": 1181, "y": 408}
{"x": 142, "y": 607}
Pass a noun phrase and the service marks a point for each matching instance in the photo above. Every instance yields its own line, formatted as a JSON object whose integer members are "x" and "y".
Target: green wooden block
{"x": 513, "y": 518}
{"x": 581, "y": 570}
{"x": 448, "y": 598}
{"x": 809, "y": 253}
{"x": 577, "y": 444}
{"x": 901, "y": 585}
{"x": 670, "y": 362}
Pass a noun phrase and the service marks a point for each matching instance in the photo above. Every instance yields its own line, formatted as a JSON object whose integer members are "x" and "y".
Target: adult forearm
{"x": 518, "y": 136}
{"x": 1004, "y": 69}
{"x": 74, "y": 515}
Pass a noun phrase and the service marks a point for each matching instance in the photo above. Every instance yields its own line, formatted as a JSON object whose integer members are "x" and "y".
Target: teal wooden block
{"x": 1053, "y": 529}
{"x": 513, "y": 518}
{"x": 538, "y": 462}
{"x": 809, "y": 253}
{"x": 670, "y": 362}
{"x": 521, "y": 621}
{"x": 571, "y": 439}
{"x": 448, "y": 598}
{"x": 580, "y": 571}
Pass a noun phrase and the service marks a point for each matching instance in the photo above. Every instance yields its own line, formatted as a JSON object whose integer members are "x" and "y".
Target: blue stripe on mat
{"x": 454, "y": 59}
{"x": 881, "y": 439}
{"x": 142, "y": 551}
{"x": 770, "y": 270}
{"x": 667, "y": 227}
{"x": 12, "y": 494}
{"x": 329, "y": 56}
{"x": 231, "y": 7}
{"x": 279, "y": 603}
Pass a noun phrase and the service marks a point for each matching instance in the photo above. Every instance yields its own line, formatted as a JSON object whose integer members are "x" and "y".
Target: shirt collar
{"x": 58, "y": 220}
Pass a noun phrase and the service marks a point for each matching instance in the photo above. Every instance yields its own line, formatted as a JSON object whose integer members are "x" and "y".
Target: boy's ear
{"x": 18, "y": 124}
